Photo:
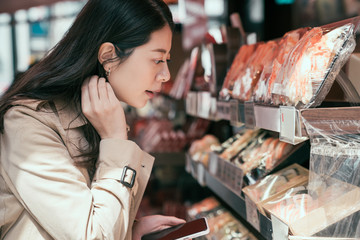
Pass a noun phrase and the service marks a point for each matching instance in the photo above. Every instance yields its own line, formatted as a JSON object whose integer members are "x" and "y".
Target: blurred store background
{"x": 29, "y": 28}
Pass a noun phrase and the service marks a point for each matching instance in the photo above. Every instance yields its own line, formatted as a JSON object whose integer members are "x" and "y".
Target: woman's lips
{"x": 150, "y": 94}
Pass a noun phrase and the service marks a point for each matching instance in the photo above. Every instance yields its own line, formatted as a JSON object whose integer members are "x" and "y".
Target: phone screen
{"x": 187, "y": 230}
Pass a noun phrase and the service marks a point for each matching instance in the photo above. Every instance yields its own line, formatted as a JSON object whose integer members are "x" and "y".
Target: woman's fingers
{"x": 97, "y": 93}
{"x": 85, "y": 98}
{"x": 103, "y": 91}
{"x": 101, "y": 107}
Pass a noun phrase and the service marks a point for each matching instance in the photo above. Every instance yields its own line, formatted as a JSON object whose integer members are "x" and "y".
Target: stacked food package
{"x": 236, "y": 68}
{"x": 297, "y": 70}
{"x": 328, "y": 204}
{"x": 223, "y": 225}
{"x": 200, "y": 149}
{"x": 275, "y": 184}
{"x": 255, "y": 152}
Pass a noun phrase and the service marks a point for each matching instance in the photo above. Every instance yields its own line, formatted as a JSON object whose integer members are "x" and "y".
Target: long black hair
{"x": 60, "y": 74}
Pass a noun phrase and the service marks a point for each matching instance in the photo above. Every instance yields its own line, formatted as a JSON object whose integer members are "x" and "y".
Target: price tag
{"x": 213, "y": 163}
{"x": 251, "y": 38}
{"x": 234, "y": 112}
{"x": 201, "y": 174}
{"x": 252, "y": 215}
{"x": 213, "y": 108}
{"x": 203, "y": 104}
{"x": 239, "y": 177}
{"x": 191, "y": 103}
{"x": 249, "y": 115}
{"x": 223, "y": 110}
{"x": 188, "y": 163}
{"x": 287, "y": 123}
{"x": 241, "y": 111}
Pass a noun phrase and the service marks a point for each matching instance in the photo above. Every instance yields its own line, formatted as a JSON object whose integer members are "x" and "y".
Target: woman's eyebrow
{"x": 159, "y": 50}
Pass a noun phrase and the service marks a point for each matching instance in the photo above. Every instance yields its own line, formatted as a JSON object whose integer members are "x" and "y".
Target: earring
{"x": 107, "y": 73}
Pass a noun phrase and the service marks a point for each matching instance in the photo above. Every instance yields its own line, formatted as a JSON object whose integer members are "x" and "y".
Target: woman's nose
{"x": 164, "y": 75}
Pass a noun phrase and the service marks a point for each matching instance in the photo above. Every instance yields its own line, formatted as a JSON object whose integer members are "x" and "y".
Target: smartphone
{"x": 188, "y": 230}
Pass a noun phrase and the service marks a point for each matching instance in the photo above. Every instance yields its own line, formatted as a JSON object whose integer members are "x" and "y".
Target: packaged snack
{"x": 276, "y": 184}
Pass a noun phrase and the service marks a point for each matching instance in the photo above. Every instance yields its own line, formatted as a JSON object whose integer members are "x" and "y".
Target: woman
{"x": 67, "y": 170}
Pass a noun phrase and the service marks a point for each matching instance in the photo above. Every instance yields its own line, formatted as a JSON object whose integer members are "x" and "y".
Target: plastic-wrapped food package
{"x": 247, "y": 81}
{"x": 246, "y": 73}
{"x": 329, "y": 206}
{"x": 242, "y": 140}
{"x": 286, "y": 45}
{"x": 233, "y": 230}
{"x": 275, "y": 184}
{"x": 311, "y": 67}
{"x": 260, "y": 89}
{"x": 335, "y": 174}
{"x": 204, "y": 205}
{"x": 261, "y": 156}
{"x": 256, "y": 152}
{"x": 200, "y": 149}
{"x": 223, "y": 225}
{"x": 236, "y": 68}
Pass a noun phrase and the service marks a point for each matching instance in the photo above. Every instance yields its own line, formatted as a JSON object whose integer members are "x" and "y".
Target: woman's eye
{"x": 162, "y": 61}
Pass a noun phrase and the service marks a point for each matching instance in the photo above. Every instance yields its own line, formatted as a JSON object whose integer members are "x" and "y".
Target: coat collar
{"x": 68, "y": 116}
{"x": 66, "y": 112}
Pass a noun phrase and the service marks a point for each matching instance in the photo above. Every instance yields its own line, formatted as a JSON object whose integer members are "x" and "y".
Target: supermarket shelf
{"x": 238, "y": 204}
{"x": 341, "y": 116}
{"x": 286, "y": 120}
{"x": 225, "y": 179}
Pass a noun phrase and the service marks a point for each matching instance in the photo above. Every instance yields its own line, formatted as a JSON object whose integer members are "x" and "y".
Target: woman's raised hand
{"x": 102, "y": 108}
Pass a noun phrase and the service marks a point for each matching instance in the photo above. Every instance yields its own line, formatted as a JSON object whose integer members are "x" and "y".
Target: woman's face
{"x": 141, "y": 75}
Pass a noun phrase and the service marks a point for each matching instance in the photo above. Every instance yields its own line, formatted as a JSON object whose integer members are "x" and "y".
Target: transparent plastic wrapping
{"x": 329, "y": 206}
{"x": 275, "y": 184}
{"x": 236, "y": 68}
{"x": 204, "y": 205}
{"x": 260, "y": 89}
{"x": 248, "y": 79}
{"x": 256, "y": 152}
{"x": 334, "y": 176}
{"x": 200, "y": 149}
{"x": 223, "y": 225}
{"x": 237, "y": 144}
{"x": 233, "y": 230}
{"x": 310, "y": 68}
{"x": 261, "y": 156}
{"x": 286, "y": 44}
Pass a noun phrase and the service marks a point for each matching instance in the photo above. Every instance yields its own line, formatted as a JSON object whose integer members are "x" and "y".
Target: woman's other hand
{"x": 153, "y": 223}
{"x": 101, "y": 107}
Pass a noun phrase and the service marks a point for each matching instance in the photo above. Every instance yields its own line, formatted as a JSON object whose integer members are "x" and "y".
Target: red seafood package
{"x": 310, "y": 68}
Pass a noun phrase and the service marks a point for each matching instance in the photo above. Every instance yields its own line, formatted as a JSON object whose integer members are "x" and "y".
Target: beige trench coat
{"x": 44, "y": 195}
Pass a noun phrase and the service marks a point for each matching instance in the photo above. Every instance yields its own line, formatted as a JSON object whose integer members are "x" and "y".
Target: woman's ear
{"x": 106, "y": 52}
